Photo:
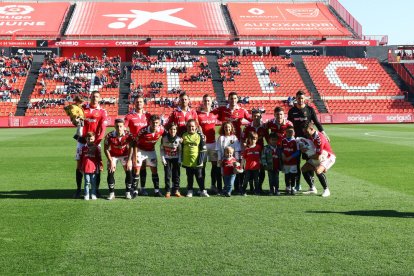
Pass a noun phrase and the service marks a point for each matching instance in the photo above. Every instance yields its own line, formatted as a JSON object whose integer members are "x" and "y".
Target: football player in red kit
{"x": 207, "y": 121}
{"x": 279, "y": 124}
{"x": 320, "y": 162}
{"x": 145, "y": 149}
{"x": 135, "y": 121}
{"x": 95, "y": 121}
{"x": 233, "y": 113}
{"x": 117, "y": 145}
{"x": 182, "y": 114}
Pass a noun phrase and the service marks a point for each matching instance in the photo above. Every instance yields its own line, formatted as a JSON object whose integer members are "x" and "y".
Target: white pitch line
{"x": 391, "y": 137}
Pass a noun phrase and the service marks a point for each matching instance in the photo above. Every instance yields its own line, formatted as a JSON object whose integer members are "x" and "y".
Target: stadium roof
{"x": 32, "y": 19}
{"x": 173, "y": 20}
{"x": 285, "y": 19}
{"x": 148, "y": 19}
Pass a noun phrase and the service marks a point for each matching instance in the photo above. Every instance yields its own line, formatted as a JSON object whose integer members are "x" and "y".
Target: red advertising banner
{"x": 17, "y": 43}
{"x": 40, "y": 121}
{"x": 285, "y": 19}
{"x": 366, "y": 118}
{"x": 209, "y": 43}
{"x": 147, "y": 19}
{"x": 32, "y": 19}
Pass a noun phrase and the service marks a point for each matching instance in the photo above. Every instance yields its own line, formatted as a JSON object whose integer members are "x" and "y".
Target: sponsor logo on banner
{"x": 301, "y": 43}
{"x": 67, "y": 43}
{"x": 186, "y": 43}
{"x": 304, "y": 12}
{"x": 399, "y": 118}
{"x": 327, "y": 119}
{"x": 33, "y": 122}
{"x": 126, "y": 43}
{"x": 359, "y": 118}
{"x": 34, "y": 51}
{"x": 16, "y": 10}
{"x": 14, "y": 122}
{"x": 140, "y": 17}
{"x": 17, "y": 43}
{"x": 256, "y": 11}
{"x": 359, "y": 43}
{"x": 244, "y": 43}
{"x": 18, "y": 16}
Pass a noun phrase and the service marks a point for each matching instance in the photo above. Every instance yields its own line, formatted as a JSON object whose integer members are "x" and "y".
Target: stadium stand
{"x": 410, "y": 68}
{"x": 13, "y": 75}
{"x": 161, "y": 79}
{"x": 267, "y": 81}
{"x": 355, "y": 85}
{"x": 61, "y": 79}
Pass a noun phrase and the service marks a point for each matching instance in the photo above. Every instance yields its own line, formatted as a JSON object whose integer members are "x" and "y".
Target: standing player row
{"x": 146, "y": 135}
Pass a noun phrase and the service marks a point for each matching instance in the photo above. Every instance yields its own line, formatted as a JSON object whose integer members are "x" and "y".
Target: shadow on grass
{"x": 56, "y": 194}
{"x": 370, "y": 213}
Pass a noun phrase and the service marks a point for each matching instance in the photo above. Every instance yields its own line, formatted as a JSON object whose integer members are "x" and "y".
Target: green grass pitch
{"x": 365, "y": 228}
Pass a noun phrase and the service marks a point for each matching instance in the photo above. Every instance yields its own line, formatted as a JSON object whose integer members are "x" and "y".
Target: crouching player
{"x": 320, "y": 162}
{"x": 117, "y": 145}
{"x": 145, "y": 149}
{"x": 271, "y": 162}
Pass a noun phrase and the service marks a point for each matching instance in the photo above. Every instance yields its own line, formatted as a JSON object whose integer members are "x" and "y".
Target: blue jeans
{"x": 228, "y": 182}
{"x": 90, "y": 181}
{"x": 273, "y": 180}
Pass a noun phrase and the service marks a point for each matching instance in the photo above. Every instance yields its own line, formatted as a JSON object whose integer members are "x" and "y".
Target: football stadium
{"x": 203, "y": 138}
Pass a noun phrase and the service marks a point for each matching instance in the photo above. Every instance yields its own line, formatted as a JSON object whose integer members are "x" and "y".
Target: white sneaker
{"x": 111, "y": 196}
{"x": 311, "y": 191}
{"x": 204, "y": 194}
{"x": 189, "y": 193}
{"x": 288, "y": 189}
{"x": 86, "y": 197}
{"x": 326, "y": 193}
{"x": 93, "y": 197}
{"x": 128, "y": 195}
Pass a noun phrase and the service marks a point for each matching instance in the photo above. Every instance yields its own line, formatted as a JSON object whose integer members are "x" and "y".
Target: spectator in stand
{"x": 299, "y": 115}
{"x": 274, "y": 69}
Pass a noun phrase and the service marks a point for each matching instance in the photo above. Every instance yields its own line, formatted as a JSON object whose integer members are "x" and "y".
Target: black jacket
{"x": 299, "y": 116}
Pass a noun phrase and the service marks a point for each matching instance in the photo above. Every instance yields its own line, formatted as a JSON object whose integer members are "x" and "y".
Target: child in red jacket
{"x": 91, "y": 164}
